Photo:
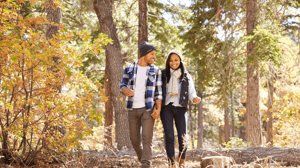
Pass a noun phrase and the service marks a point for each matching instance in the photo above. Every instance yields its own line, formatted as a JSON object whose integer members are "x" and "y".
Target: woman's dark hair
{"x": 168, "y": 73}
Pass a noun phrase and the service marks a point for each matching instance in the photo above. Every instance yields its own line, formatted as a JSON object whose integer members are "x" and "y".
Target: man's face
{"x": 150, "y": 57}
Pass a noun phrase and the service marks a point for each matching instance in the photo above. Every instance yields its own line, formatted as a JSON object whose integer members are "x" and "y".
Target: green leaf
{"x": 68, "y": 71}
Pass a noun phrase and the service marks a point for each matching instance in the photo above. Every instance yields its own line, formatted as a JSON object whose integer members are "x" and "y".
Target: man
{"x": 142, "y": 86}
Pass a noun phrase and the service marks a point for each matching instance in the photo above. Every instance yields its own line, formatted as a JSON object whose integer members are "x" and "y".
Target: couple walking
{"x": 152, "y": 94}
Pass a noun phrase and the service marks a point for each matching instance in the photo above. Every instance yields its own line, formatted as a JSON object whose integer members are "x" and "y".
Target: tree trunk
{"x": 108, "y": 108}
{"x": 191, "y": 125}
{"x": 53, "y": 11}
{"x": 200, "y": 124}
{"x": 227, "y": 128}
{"x": 270, "y": 105}
{"x": 232, "y": 115}
{"x": 242, "y": 129}
{"x": 5, "y": 146}
{"x": 240, "y": 156}
{"x": 143, "y": 22}
{"x": 103, "y": 9}
{"x": 253, "y": 119}
{"x": 53, "y": 15}
{"x": 220, "y": 132}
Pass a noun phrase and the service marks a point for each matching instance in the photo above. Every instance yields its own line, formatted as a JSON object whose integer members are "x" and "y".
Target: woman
{"x": 178, "y": 88}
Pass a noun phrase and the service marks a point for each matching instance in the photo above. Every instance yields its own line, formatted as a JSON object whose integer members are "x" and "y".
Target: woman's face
{"x": 174, "y": 61}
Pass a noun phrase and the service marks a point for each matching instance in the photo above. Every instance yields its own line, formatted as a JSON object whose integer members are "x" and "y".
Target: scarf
{"x": 173, "y": 83}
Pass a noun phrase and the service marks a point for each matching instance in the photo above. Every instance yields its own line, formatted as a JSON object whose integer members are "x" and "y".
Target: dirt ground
{"x": 120, "y": 159}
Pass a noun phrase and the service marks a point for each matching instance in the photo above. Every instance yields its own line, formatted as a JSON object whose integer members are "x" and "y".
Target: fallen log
{"x": 290, "y": 156}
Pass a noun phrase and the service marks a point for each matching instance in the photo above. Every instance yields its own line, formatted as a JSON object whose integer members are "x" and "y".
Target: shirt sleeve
{"x": 158, "y": 86}
{"x": 192, "y": 91}
{"x": 125, "y": 80}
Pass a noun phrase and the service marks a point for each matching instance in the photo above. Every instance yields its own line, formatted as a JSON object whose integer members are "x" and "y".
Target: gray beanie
{"x": 177, "y": 52}
{"x": 146, "y": 48}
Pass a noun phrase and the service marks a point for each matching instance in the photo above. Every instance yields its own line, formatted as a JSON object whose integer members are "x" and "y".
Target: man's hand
{"x": 156, "y": 113}
{"x": 196, "y": 100}
{"x": 127, "y": 92}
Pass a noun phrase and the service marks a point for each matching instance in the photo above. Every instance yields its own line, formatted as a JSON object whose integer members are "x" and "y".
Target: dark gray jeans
{"x": 168, "y": 115}
{"x": 140, "y": 118}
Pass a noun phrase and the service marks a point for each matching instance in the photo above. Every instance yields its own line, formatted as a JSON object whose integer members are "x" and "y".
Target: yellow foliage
{"x": 43, "y": 101}
{"x": 286, "y": 104}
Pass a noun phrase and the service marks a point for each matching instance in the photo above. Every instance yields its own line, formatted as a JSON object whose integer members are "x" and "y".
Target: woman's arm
{"x": 192, "y": 91}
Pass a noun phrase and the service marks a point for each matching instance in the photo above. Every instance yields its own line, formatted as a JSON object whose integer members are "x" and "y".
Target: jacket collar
{"x": 135, "y": 64}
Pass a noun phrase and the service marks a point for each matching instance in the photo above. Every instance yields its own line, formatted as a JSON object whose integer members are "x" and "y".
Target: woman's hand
{"x": 156, "y": 113}
{"x": 196, "y": 100}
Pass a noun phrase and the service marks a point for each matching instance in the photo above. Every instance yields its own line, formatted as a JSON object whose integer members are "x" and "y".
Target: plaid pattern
{"x": 153, "y": 85}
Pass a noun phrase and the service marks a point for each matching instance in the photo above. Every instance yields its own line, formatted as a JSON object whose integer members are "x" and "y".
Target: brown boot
{"x": 181, "y": 163}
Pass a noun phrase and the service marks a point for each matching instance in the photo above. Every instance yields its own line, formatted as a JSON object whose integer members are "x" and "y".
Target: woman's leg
{"x": 167, "y": 121}
{"x": 180, "y": 122}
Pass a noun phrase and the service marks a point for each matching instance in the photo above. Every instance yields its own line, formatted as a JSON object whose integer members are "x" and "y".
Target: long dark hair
{"x": 168, "y": 73}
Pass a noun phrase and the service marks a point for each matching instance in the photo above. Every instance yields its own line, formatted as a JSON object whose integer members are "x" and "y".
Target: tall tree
{"x": 232, "y": 115}
{"x": 103, "y": 9}
{"x": 191, "y": 123}
{"x": 200, "y": 123}
{"x": 226, "y": 124}
{"x": 108, "y": 116}
{"x": 143, "y": 22}
{"x": 220, "y": 132}
{"x": 270, "y": 106}
{"x": 53, "y": 16}
{"x": 253, "y": 119}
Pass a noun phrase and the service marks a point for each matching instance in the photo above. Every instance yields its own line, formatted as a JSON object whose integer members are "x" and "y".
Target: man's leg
{"x": 134, "y": 118}
{"x": 147, "y": 135}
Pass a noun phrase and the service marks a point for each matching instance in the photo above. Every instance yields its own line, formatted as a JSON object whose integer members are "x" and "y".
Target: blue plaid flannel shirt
{"x": 153, "y": 85}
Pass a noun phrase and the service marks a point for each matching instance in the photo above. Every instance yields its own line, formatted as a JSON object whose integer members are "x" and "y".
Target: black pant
{"x": 168, "y": 114}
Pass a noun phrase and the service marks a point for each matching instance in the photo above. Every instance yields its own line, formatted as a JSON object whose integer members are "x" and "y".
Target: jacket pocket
{"x": 152, "y": 77}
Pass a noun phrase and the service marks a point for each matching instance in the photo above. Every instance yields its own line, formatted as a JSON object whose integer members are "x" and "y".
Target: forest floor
{"x": 124, "y": 158}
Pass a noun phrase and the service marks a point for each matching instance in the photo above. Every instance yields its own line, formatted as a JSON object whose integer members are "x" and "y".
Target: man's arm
{"x": 158, "y": 96}
{"x": 124, "y": 84}
{"x": 127, "y": 92}
{"x": 157, "y": 109}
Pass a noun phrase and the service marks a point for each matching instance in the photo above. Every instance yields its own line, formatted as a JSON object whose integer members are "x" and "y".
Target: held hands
{"x": 127, "y": 92}
{"x": 196, "y": 100}
{"x": 156, "y": 113}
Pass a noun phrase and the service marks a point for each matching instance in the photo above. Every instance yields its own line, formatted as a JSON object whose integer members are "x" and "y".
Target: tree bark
{"x": 53, "y": 11}
{"x": 253, "y": 119}
{"x": 220, "y": 132}
{"x": 242, "y": 129}
{"x": 270, "y": 105}
{"x": 232, "y": 115}
{"x": 108, "y": 107}
{"x": 200, "y": 124}
{"x": 240, "y": 156}
{"x": 191, "y": 124}
{"x": 103, "y": 9}
{"x": 53, "y": 15}
{"x": 227, "y": 128}
{"x": 143, "y": 22}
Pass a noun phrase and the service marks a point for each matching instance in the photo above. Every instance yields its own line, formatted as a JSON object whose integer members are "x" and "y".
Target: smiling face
{"x": 174, "y": 61}
{"x": 150, "y": 57}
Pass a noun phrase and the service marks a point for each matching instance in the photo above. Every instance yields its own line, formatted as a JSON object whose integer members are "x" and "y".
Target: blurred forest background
{"x": 62, "y": 61}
